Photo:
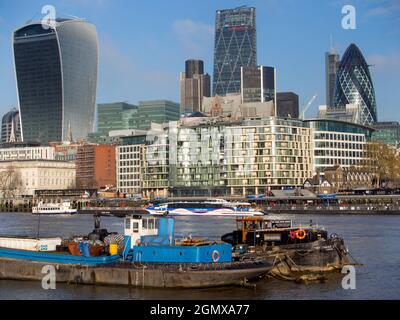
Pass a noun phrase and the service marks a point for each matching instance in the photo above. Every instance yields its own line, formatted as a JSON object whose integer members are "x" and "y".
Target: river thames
{"x": 372, "y": 240}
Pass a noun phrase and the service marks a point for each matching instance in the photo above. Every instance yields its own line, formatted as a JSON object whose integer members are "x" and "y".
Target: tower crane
{"x": 308, "y": 106}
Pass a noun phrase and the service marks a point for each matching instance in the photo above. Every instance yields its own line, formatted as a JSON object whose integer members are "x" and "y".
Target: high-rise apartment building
{"x": 194, "y": 85}
{"x": 56, "y": 73}
{"x": 235, "y": 47}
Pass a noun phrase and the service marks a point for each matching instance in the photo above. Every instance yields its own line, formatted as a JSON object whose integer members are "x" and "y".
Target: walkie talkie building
{"x": 354, "y": 86}
{"x": 56, "y": 72}
{"x": 235, "y": 47}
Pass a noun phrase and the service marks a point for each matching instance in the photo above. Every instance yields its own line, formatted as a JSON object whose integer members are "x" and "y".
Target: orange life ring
{"x": 301, "y": 234}
{"x": 215, "y": 256}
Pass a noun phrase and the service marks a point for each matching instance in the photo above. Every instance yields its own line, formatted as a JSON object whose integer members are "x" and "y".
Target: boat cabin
{"x": 147, "y": 229}
{"x": 151, "y": 239}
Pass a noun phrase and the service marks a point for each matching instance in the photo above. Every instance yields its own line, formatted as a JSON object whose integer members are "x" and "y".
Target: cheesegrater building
{"x": 56, "y": 72}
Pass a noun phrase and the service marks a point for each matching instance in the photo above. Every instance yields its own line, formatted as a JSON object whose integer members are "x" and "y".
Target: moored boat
{"x": 294, "y": 248}
{"x": 64, "y": 207}
{"x": 148, "y": 256}
{"x": 204, "y": 208}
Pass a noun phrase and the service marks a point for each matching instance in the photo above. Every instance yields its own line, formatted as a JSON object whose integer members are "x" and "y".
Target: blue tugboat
{"x": 148, "y": 256}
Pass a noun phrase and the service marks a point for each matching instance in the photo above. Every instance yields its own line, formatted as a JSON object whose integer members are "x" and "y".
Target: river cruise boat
{"x": 54, "y": 208}
{"x": 216, "y": 207}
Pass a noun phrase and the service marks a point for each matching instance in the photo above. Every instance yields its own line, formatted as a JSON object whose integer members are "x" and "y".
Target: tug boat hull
{"x": 138, "y": 275}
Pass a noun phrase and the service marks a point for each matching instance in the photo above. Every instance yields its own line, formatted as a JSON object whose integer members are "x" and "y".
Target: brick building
{"x": 95, "y": 166}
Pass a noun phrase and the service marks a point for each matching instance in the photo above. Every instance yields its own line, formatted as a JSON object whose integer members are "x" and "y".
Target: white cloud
{"x": 196, "y": 38}
{"x": 384, "y": 8}
{"x": 385, "y": 62}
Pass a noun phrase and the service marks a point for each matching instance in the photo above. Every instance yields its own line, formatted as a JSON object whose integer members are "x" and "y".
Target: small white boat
{"x": 54, "y": 208}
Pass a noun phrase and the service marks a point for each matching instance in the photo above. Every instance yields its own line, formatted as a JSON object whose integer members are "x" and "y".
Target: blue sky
{"x": 143, "y": 44}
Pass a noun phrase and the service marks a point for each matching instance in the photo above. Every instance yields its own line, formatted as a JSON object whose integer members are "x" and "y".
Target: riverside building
{"x": 338, "y": 143}
{"x": 30, "y": 175}
{"x": 227, "y": 157}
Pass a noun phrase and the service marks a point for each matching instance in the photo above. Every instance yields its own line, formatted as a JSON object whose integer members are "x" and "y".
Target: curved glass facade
{"x": 354, "y": 85}
{"x": 235, "y": 46}
{"x": 56, "y": 73}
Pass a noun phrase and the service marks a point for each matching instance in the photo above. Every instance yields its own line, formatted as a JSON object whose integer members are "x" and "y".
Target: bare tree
{"x": 10, "y": 182}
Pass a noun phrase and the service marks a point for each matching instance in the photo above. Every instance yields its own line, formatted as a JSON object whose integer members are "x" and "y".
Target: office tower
{"x": 354, "y": 86}
{"x": 287, "y": 105}
{"x": 387, "y": 132}
{"x": 258, "y": 84}
{"x": 235, "y": 47}
{"x": 194, "y": 86}
{"x": 10, "y": 127}
{"x": 115, "y": 116}
{"x": 157, "y": 111}
{"x": 56, "y": 74}
{"x": 332, "y": 61}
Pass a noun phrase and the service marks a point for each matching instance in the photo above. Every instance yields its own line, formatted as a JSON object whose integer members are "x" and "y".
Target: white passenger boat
{"x": 54, "y": 208}
{"x": 216, "y": 207}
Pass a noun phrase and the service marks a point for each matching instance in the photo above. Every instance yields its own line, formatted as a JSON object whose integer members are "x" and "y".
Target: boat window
{"x": 144, "y": 223}
{"x": 151, "y": 223}
{"x": 127, "y": 223}
{"x": 135, "y": 227}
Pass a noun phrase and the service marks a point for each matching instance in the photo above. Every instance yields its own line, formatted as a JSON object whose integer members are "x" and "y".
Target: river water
{"x": 372, "y": 240}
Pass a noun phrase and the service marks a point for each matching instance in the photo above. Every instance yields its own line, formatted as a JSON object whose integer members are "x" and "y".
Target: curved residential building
{"x": 354, "y": 86}
{"x": 56, "y": 73}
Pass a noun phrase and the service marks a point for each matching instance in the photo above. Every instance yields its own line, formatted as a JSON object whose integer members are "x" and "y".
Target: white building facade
{"x": 27, "y": 153}
{"x": 31, "y": 175}
{"x": 128, "y": 167}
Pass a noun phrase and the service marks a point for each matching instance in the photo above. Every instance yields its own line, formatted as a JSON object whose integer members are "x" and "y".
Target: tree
{"x": 10, "y": 182}
{"x": 383, "y": 161}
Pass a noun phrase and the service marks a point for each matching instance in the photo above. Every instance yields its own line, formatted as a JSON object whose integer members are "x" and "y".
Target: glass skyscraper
{"x": 56, "y": 72}
{"x": 354, "y": 86}
{"x": 235, "y": 47}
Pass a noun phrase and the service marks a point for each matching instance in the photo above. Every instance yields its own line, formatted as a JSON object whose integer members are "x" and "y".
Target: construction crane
{"x": 308, "y": 106}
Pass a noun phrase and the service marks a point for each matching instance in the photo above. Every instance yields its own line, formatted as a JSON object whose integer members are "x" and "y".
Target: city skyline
{"x": 139, "y": 64}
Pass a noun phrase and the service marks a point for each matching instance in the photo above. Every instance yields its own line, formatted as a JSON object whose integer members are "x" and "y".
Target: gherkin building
{"x": 354, "y": 86}
{"x": 235, "y": 47}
